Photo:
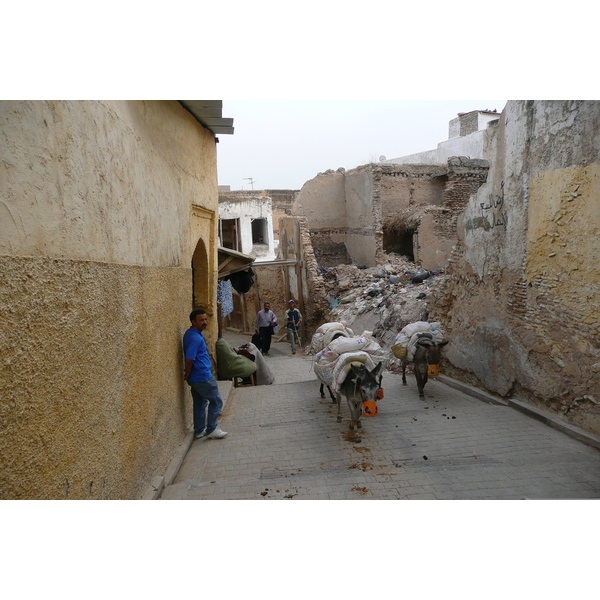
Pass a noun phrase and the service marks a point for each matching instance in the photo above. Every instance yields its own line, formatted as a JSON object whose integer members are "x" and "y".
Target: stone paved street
{"x": 284, "y": 443}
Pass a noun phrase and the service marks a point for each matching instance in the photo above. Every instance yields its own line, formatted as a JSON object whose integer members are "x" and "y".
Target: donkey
{"x": 360, "y": 386}
{"x": 427, "y": 353}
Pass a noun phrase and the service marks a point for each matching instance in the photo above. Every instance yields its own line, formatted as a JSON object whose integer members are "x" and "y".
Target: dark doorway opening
{"x": 399, "y": 241}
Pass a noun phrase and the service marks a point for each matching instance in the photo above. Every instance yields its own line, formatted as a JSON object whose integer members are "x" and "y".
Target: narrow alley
{"x": 284, "y": 443}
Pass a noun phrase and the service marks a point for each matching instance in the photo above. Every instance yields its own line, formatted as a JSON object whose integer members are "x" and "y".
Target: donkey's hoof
{"x": 358, "y": 425}
{"x": 322, "y": 395}
{"x": 357, "y": 439}
{"x": 339, "y": 419}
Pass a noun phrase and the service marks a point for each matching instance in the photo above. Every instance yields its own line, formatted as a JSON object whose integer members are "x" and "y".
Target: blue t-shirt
{"x": 194, "y": 348}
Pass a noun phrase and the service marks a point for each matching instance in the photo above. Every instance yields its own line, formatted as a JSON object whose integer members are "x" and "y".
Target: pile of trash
{"x": 382, "y": 299}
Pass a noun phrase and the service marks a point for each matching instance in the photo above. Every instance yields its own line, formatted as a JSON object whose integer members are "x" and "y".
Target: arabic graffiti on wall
{"x": 494, "y": 212}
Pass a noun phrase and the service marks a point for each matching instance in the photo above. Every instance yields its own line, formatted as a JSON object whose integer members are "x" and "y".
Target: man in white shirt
{"x": 263, "y": 325}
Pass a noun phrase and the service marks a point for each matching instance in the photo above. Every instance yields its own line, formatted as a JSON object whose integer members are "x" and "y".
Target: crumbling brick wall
{"x": 427, "y": 200}
{"x": 520, "y": 301}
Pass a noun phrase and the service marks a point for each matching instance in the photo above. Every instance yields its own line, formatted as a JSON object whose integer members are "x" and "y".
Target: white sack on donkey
{"x": 421, "y": 343}
{"x": 353, "y": 367}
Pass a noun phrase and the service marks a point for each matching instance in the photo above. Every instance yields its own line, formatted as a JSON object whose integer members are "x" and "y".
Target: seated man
{"x": 230, "y": 364}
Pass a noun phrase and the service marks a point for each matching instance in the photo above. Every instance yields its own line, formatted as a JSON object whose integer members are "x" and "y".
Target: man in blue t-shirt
{"x": 198, "y": 374}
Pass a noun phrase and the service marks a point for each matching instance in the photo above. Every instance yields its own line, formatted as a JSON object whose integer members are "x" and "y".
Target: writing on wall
{"x": 494, "y": 212}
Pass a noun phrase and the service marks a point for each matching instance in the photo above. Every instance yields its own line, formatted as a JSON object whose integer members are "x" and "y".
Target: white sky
{"x": 281, "y": 144}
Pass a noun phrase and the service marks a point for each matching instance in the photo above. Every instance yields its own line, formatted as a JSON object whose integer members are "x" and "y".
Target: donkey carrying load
{"x": 419, "y": 343}
{"x": 351, "y": 366}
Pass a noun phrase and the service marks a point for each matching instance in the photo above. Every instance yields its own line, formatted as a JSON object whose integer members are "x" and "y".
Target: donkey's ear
{"x": 377, "y": 369}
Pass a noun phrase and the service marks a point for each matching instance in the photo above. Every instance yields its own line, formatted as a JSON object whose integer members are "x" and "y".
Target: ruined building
{"x": 516, "y": 230}
{"x": 410, "y": 210}
{"x": 408, "y": 205}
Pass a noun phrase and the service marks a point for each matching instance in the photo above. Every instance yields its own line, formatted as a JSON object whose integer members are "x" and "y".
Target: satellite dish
{"x": 382, "y": 158}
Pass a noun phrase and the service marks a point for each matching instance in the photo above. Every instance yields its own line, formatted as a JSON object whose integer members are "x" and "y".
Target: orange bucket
{"x": 433, "y": 370}
{"x": 370, "y": 408}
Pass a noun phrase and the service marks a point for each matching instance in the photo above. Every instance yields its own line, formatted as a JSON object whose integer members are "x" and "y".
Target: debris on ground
{"x": 381, "y": 299}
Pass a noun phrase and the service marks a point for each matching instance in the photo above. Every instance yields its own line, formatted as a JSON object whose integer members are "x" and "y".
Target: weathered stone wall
{"x": 363, "y": 216}
{"x": 96, "y": 245}
{"x": 427, "y": 200}
{"x": 282, "y": 202}
{"x": 521, "y": 304}
{"x": 322, "y": 201}
{"x": 373, "y": 206}
{"x": 468, "y": 123}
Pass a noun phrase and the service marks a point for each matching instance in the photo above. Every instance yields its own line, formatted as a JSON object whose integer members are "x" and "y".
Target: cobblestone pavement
{"x": 284, "y": 443}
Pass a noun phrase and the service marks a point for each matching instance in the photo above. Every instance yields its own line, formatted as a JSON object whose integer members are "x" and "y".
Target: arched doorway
{"x": 201, "y": 287}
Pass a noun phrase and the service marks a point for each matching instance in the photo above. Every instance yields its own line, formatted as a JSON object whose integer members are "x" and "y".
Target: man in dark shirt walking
{"x": 292, "y": 319}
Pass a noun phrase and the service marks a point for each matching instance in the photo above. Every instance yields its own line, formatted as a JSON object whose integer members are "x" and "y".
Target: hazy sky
{"x": 281, "y": 144}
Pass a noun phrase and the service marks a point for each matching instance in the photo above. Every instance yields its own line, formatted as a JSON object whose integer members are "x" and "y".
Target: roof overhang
{"x": 209, "y": 114}
{"x": 231, "y": 262}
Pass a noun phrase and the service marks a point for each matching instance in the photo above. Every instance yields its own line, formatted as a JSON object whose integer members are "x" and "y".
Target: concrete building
{"x": 249, "y": 220}
{"x": 108, "y": 238}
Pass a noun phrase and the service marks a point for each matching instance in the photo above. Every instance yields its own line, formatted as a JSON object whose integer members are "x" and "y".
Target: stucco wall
{"x": 322, "y": 201}
{"x": 363, "y": 216}
{"x": 521, "y": 306}
{"x": 96, "y": 245}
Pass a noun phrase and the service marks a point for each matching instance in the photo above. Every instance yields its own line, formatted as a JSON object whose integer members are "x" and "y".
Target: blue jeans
{"x": 206, "y": 393}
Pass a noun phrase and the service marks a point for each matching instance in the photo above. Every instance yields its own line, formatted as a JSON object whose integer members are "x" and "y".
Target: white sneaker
{"x": 217, "y": 434}
{"x": 200, "y": 434}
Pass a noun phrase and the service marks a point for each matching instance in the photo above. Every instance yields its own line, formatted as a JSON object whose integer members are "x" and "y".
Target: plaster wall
{"x": 521, "y": 305}
{"x": 395, "y": 193}
{"x": 322, "y": 201}
{"x": 96, "y": 244}
{"x": 363, "y": 216}
{"x": 433, "y": 245}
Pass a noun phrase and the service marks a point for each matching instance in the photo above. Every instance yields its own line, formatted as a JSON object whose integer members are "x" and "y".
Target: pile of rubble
{"x": 381, "y": 299}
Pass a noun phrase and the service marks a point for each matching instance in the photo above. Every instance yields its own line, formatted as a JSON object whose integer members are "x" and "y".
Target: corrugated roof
{"x": 209, "y": 114}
